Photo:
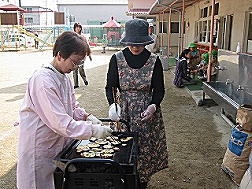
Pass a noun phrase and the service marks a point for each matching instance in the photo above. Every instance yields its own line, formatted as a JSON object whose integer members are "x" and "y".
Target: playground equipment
{"x": 23, "y": 37}
{"x": 18, "y": 37}
{"x": 113, "y": 32}
{"x": 22, "y": 30}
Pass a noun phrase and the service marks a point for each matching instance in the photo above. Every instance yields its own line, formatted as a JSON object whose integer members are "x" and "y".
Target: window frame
{"x": 203, "y": 25}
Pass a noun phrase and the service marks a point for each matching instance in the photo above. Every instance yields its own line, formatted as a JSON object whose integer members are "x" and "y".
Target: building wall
{"x": 34, "y": 16}
{"x": 39, "y": 18}
{"x": 192, "y": 15}
{"x": 45, "y": 18}
{"x": 164, "y": 36}
{"x": 226, "y": 7}
{"x": 8, "y": 18}
{"x": 102, "y": 13}
{"x": 51, "y": 4}
{"x": 6, "y": 2}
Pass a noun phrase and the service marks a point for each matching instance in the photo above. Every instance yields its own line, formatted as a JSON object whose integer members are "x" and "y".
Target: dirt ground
{"x": 196, "y": 143}
{"x": 195, "y": 153}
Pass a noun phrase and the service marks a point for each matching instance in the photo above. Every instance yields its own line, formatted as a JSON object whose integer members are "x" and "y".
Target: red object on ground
{"x": 203, "y": 48}
{"x": 92, "y": 44}
{"x": 11, "y": 7}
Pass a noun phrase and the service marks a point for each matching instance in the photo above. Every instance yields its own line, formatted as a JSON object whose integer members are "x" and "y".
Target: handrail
{"x": 21, "y": 29}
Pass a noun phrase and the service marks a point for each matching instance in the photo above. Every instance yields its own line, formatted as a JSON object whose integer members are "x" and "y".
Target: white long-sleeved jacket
{"x": 49, "y": 119}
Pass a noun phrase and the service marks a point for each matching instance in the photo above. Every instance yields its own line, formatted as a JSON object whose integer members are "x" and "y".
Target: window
{"x": 174, "y": 27}
{"x": 204, "y": 31}
{"x": 163, "y": 29}
{"x": 208, "y": 30}
{"x": 249, "y": 40}
{"x": 29, "y": 20}
{"x": 72, "y": 18}
{"x": 204, "y": 12}
{"x": 216, "y": 9}
{"x": 203, "y": 26}
{"x": 215, "y": 31}
{"x": 225, "y": 32}
{"x": 29, "y": 9}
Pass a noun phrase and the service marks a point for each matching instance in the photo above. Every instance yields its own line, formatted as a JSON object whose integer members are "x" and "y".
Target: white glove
{"x": 99, "y": 131}
{"x": 113, "y": 114}
{"x": 148, "y": 113}
{"x": 93, "y": 119}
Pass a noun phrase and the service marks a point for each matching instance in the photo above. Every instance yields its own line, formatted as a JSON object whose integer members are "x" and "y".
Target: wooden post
{"x": 162, "y": 30}
{"x": 159, "y": 32}
{"x": 169, "y": 34}
{"x": 182, "y": 26}
{"x": 209, "y": 68}
{"x": 179, "y": 39}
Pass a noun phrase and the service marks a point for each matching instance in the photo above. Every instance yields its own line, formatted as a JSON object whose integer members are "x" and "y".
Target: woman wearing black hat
{"x": 137, "y": 74}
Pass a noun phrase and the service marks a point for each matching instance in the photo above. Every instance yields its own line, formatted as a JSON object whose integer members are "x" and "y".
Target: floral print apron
{"x": 135, "y": 96}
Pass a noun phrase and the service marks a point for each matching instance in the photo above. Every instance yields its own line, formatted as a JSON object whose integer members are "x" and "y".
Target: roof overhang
{"x": 11, "y": 7}
{"x": 134, "y": 12}
{"x": 111, "y": 24}
{"x": 41, "y": 9}
{"x": 92, "y": 2}
{"x": 161, "y": 6}
{"x": 139, "y": 13}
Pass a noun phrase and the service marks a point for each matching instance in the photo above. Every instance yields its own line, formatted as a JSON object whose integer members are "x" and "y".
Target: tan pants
{"x": 246, "y": 182}
{"x": 82, "y": 74}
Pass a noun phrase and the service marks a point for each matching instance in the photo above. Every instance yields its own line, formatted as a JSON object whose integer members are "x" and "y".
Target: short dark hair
{"x": 184, "y": 53}
{"x": 77, "y": 25}
{"x": 70, "y": 43}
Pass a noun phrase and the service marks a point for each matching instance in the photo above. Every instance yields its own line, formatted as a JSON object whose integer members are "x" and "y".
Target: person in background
{"x": 78, "y": 29}
{"x": 153, "y": 47}
{"x": 181, "y": 73}
{"x": 50, "y": 116}
{"x": 36, "y": 42}
{"x": 137, "y": 76}
{"x": 194, "y": 58}
{"x": 202, "y": 67}
{"x": 215, "y": 64}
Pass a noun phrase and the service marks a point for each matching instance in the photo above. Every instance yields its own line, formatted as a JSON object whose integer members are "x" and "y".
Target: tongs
{"x": 115, "y": 139}
{"x": 114, "y": 91}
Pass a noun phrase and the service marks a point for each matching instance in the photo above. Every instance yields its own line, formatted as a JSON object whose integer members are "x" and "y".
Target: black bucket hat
{"x": 136, "y": 33}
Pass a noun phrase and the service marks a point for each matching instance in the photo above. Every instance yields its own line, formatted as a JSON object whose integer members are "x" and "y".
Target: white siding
{"x": 84, "y": 13}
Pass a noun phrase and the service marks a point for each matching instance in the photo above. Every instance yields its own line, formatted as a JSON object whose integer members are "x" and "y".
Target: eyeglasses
{"x": 77, "y": 64}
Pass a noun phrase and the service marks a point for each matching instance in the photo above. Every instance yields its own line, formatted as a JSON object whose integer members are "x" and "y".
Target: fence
{"x": 22, "y": 37}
